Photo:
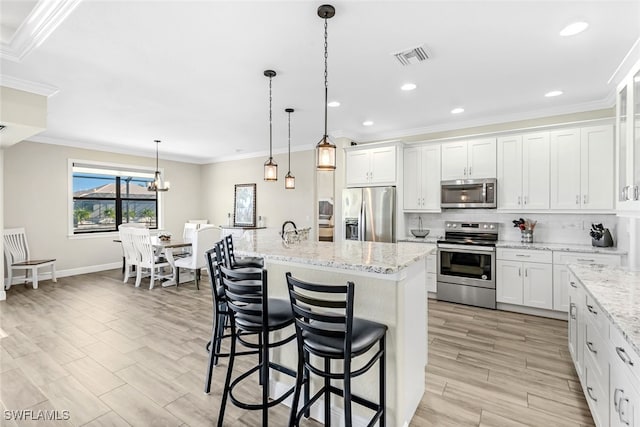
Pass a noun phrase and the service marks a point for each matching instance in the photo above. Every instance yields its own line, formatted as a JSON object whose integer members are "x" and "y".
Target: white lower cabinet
{"x": 607, "y": 365}
{"x": 528, "y": 283}
{"x": 432, "y": 283}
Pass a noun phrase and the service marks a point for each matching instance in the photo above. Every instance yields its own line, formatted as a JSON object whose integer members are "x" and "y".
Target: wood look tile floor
{"x": 114, "y": 355}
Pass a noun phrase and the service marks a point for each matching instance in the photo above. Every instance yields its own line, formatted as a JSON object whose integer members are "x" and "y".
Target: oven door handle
{"x": 463, "y": 248}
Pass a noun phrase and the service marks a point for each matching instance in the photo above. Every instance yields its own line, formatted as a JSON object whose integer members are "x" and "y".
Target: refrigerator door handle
{"x": 361, "y": 223}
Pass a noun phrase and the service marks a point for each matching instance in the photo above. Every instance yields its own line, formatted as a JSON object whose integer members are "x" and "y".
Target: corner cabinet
{"x": 628, "y": 142}
{"x": 421, "y": 178}
{"x": 469, "y": 159}
{"x": 523, "y": 171}
{"x": 371, "y": 166}
{"x": 582, "y": 168}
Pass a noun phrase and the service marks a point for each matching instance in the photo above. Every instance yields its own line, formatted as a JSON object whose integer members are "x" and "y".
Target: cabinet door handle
{"x": 573, "y": 284}
{"x": 585, "y": 199}
{"x": 624, "y": 193}
{"x": 572, "y": 310}
{"x": 526, "y": 272}
{"x": 519, "y": 272}
{"x": 577, "y": 199}
{"x": 591, "y": 309}
{"x": 590, "y": 347}
{"x": 636, "y": 192}
{"x": 589, "y": 392}
{"x": 465, "y": 172}
{"x": 585, "y": 260}
{"x": 423, "y": 202}
{"x": 523, "y": 255}
{"x": 622, "y": 412}
{"x": 623, "y": 355}
{"x": 519, "y": 200}
{"x": 525, "y": 200}
{"x": 469, "y": 170}
{"x": 615, "y": 399}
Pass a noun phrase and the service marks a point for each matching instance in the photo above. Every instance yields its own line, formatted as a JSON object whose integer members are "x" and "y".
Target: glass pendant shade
{"x": 325, "y": 155}
{"x": 289, "y": 181}
{"x": 270, "y": 170}
{"x": 158, "y": 183}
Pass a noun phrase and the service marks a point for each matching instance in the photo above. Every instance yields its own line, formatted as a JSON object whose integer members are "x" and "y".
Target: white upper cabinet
{"x": 371, "y": 166}
{"x": 469, "y": 159}
{"x": 422, "y": 178}
{"x": 582, "y": 168}
{"x": 523, "y": 171}
{"x": 628, "y": 142}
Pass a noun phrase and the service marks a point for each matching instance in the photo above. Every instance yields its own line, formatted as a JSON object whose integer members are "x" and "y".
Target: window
{"x": 106, "y": 196}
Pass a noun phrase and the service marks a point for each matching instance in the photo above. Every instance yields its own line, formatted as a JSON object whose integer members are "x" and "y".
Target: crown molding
{"x": 608, "y": 102}
{"x": 28, "y": 86}
{"x": 37, "y": 27}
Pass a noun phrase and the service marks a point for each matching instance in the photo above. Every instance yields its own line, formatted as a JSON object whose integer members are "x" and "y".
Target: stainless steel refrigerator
{"x": 369, "y": 214}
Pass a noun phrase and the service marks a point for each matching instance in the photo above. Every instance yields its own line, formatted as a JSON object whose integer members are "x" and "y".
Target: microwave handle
{"x": 484, "y": 191}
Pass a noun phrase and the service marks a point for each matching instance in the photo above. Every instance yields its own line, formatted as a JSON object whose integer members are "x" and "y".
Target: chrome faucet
{"x": 285, "y": 224}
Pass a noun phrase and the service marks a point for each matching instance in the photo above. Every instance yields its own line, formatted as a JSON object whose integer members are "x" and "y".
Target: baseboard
{"x": 277, "y": 388}
{"x": 46, "y": 275}
{"x": 560, "y": 315}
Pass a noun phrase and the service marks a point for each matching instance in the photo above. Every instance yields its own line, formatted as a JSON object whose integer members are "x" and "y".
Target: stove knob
{"x": 454, "y": 225}
{"x": 485, "y": 226}
{"x": 448, "y": 225}
{"x": 492, "y": 226}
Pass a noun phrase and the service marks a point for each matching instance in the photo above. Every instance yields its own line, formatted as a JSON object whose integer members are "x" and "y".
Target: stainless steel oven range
{"x": 467, "y": 263}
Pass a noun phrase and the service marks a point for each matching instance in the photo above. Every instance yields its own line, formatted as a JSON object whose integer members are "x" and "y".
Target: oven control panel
{"x": 472, "y": 227}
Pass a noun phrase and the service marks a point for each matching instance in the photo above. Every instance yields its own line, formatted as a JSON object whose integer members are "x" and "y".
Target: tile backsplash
{"x": 551, "y": 228}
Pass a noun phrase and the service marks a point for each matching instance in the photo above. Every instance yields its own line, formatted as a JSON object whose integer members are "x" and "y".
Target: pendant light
{"x": 289, "y": 180}
{"x": 270, "y": 167}
{"x": 158, "y": 183}
{"x": 325, "y": 150}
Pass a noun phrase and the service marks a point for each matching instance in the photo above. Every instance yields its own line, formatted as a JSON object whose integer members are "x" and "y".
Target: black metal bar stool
{"x": 326, "y": 328}
{"x": 251, "y": 311}
{"x": 215, "y": 259}
{"x": 232, "y": 262}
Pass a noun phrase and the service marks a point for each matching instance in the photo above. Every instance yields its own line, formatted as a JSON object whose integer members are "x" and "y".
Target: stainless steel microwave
{"x": 468, "y": 193}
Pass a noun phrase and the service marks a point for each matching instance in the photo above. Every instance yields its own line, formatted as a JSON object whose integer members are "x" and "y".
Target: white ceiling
{"x": 191, "y": 72}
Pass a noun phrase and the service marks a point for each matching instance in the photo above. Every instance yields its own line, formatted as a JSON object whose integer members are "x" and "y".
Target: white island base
{"x": 397, "y": 298}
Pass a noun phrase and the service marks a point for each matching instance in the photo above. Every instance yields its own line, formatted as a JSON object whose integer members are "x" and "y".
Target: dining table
{"x": 169, "y": 248}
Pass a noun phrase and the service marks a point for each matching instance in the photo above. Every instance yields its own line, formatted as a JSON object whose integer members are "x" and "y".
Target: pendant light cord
{"x": 270, "y": 123}
{"x": 326, "y": 90}
{"x": 289, "y": 145}
{"x": 157, "y": 144}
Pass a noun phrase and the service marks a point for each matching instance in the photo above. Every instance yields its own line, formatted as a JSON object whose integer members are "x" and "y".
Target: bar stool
{"x": 232, "y": 262}
{"x": 326, "y": 328}
{"x": 214, "y": 257}
{"x": 251, "y": 311}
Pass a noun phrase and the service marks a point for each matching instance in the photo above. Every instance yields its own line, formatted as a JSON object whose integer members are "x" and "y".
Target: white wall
{"x": 273, "y": 202}
{"x": 36, "y": 197}
{"x": 3, "y": 294}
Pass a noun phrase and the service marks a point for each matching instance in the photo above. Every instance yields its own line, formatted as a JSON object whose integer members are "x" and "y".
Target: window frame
{"x": 106, "y": 166}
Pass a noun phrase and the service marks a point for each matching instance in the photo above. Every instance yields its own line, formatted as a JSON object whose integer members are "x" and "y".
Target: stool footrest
{"x": 257, "y": 406}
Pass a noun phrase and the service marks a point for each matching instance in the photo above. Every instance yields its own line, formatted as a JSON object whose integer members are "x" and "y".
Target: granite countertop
{"x": 371, "y": 257}
{"x": 617, "y": 290}
{"x": 567, "y": 247}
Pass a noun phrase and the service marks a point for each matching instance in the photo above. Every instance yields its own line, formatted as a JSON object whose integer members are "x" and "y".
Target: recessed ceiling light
{"x": 457, "y": 110}
{"x": 367, "y": 123}
{"x": 408, "y": 86}
{"x": 573, "y": 29}
{"x": 553, "y": 93}
{"x": 333, "y": 104}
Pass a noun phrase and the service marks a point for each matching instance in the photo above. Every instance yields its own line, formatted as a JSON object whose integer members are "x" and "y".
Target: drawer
{"x": 625, "y": 353}
{"x": 596, "y": 392}
{"x": 524, "y": 255}
{"x": 585, "y": 258}
{"x": 595, "y": 347}
{"x": 594, "y": 314}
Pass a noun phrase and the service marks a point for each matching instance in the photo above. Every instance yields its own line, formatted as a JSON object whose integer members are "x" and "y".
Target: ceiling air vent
{"x": 412, "y": 56}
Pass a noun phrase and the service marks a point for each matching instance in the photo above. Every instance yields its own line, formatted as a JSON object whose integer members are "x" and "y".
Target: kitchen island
{"x": 389, "y": 288}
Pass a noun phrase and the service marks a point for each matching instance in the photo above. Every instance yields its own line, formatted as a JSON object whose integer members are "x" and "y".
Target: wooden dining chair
{"x": 147, "y": 256}
{"x": 16, "y": 252}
